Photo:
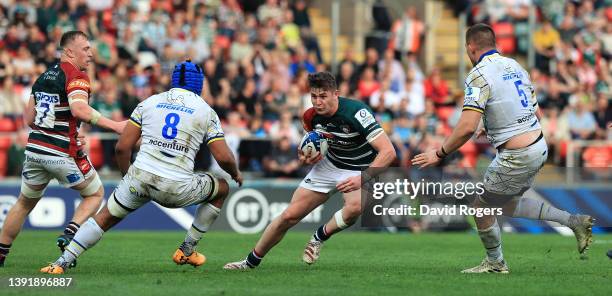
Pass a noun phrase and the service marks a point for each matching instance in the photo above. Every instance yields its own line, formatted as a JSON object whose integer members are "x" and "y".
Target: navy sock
{"x": 321, "y": 235}
{"x": 253, "y": 259}
{"x": 71, "y": 228}
{"x": 4, "y": 249}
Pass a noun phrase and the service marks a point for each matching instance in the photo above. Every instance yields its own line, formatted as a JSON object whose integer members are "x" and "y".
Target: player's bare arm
{"x": 468, "y": 124}
{"x": 225, "y": 158}
{"x": 81, "y": 110}
{"x": 386, "y": 155}
{"x": 123, "y": 150}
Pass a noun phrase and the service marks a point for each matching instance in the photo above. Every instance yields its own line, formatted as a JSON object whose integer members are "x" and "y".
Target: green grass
{"x": 138, "y": 263}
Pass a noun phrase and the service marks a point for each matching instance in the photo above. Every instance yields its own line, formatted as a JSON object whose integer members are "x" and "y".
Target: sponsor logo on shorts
{"x": 308, "y": 181}
{"x": 45, "y": 161}
{"x": 73, "y": 177}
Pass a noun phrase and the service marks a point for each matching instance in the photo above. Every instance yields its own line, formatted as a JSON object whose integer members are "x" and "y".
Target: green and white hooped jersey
{"x": 174, "y": 124}
{"x": 501, "y": 89}
{"x": 349, "y": 134}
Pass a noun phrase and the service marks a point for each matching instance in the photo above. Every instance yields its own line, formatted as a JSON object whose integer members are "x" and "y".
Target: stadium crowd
{"x": 257, "y": 54}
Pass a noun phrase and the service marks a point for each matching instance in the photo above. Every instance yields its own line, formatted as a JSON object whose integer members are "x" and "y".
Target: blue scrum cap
{"x": 189, "y": 76}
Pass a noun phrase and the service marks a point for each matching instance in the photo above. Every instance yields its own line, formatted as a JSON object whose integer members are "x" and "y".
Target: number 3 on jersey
{"x": 524, "y": 100}
{"x": 169, "y": 131}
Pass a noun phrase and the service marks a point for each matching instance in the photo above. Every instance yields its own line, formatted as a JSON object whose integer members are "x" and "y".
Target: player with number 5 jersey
{"x": 499, "y": 91}
{"x": 171, "y": 126}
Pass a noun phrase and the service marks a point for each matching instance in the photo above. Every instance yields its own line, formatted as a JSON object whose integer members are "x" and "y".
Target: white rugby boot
{"x": 487, "y": 266}
{"x": 312, "y": 251}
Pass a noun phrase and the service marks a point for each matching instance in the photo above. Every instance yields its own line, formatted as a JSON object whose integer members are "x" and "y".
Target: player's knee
{"x": 223, "y": 190}
{"x": 222, "y": 193}
{"x": 289, "y": 218}
{"x": 26, "y": 202}
{"x": 32, "y": 192}
{"x": 351, "y": 211}
{"x": 93, "y": 189}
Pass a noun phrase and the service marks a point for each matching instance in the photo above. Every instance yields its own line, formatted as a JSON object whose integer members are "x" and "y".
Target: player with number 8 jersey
{"x": 171, "y": 126}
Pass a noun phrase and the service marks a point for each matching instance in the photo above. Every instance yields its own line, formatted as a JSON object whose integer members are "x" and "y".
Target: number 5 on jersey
{"x": 524, "y": 100}
{"x": 169, "y": 131}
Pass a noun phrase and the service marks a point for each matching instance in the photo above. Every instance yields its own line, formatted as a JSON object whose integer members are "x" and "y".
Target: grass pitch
{"x": 360, "y": 263}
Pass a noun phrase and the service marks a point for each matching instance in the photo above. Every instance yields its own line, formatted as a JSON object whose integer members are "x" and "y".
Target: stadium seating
{"x": 7, "y": 125}
{"x": 506, "y": 42}
{"x": 5, "y": 145}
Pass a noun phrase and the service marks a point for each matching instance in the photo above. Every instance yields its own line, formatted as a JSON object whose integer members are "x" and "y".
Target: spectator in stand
{"x": 392, "y": 69}
{"x": 11, "y": 103}
{"x": 285, "y": 128}
{"x": 301, "y": 63}
{"x": 282, "y": 160}
{"x": 385, "y": 97}
{"x": 606, "y": 41}
{"x": 367, "y": 85}
{"x": 555, "y": 127}
{"x": 16, "y": 153}
{"x": 246, "y": 103}
{"x": 300, "y": 15}
{"x": 545, "y": 40}
{"x": 583, "y": 125}
{"x": 436, "y": 89}
{"x": 107, "y": 104}
{"x": 256, "y": 128}
{"x": 407, "y": 33}
{"x": 270, "y": 10}
{"x": 414, "y": 95}
{"x": 371, "y": 61}
{"x": 290, "y": 32}
{"x": 402, "y": 133}
{"x": 346, "y": 74}
{"x": 568, "y": 25}
{"x": 24, "y": 64}
{"x": 603, "y": 115}
{"x": 241, "y": 48}
{"x": 294, "y": 101}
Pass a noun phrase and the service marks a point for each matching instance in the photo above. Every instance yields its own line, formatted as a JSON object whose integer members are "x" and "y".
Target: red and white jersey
{"x": 54, "y": 129}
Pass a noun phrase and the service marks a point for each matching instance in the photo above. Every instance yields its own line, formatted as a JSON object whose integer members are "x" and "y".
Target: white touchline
{"x": 563, "y": 230}
{"x": 180, "y": 216}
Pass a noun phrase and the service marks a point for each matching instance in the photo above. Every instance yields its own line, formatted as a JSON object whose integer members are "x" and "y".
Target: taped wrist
{"x": 95, "y": 116}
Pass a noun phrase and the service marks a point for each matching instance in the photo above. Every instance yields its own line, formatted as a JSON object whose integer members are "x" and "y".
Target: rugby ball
{"x": 313, "y": 143}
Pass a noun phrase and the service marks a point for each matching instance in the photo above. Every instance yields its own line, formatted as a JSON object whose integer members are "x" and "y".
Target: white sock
{"x": 87, "y": 236}
{"x": 537, "y": 209}
{"x": 491, "y": 239}
{"x": 206, "y": 214}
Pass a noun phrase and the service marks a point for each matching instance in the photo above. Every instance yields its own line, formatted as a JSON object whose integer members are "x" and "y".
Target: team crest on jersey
{"x": 472, "y": 94}
{"x": 345, "y": 128}
{"x": 364, "y": 117}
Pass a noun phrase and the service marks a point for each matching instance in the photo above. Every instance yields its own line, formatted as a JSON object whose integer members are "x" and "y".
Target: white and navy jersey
{"x": 174, "y": 124}
{"x": 500, "y": 88}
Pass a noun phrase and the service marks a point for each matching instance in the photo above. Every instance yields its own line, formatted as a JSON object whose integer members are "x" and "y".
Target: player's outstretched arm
{"x": 467, "y": 125}
{"x": 123, "y": 149}
{"x": 81, "y": 110}
{"x": 225, "y": 158}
